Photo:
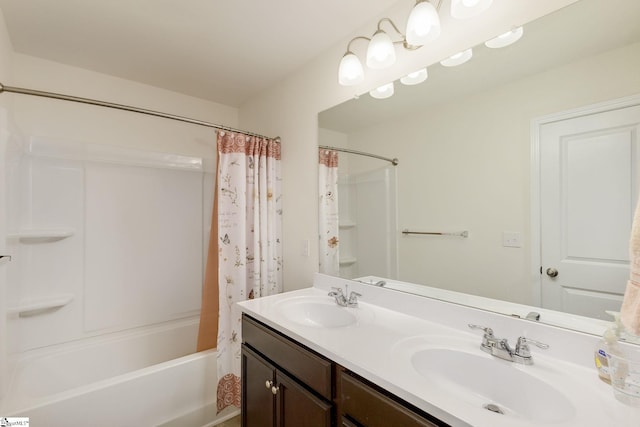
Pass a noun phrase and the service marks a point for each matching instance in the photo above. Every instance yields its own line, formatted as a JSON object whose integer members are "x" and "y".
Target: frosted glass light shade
{"x": 380, "y": 52}
{"x": 505, "y": 39}
{"x": 462, "y": 9}
{"x": 423, "y": 24}
{"x": 382, "y": 92}
{"x": 415, "y": 78}
{"x": 458, "y": 58}
{"x": 350, "y": 71}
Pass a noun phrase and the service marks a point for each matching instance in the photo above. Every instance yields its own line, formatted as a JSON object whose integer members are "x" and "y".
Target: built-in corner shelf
{"x": 40, "y": 306}
{"x": 348, "y": 261}
{"x": 347, "y": 224}
{"x": 42, "y": 235}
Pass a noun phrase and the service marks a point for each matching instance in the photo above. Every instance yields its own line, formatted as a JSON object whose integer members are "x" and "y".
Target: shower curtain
{"x": 328, "y": 212}
{"x": 245, "y": 254}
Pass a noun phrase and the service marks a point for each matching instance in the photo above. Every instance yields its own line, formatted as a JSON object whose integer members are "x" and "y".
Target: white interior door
{"x": 588, "y": 189}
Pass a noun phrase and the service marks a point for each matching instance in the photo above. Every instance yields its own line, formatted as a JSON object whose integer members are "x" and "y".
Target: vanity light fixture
{"x": 423, "y": 26}
{"x": 380, "y": 52}
{"x": 350, "y": 71}
{"x": 462, "y": 9}
{"x": 505, "y": 39}
{"x": 382, "y": 92}
{"x": 414, "y": 78}
{"x": 458, "y": 59}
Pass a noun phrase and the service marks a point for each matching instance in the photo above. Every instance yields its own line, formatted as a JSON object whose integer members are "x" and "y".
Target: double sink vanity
{"x": 344, "y": 353}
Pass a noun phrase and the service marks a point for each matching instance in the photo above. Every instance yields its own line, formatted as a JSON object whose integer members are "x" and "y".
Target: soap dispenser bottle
{"x": 606, "y": 345}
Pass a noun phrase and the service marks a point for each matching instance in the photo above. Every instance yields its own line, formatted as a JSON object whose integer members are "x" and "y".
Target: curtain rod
{"x": 90, "y": 101}
{"x": 393, "y": 161}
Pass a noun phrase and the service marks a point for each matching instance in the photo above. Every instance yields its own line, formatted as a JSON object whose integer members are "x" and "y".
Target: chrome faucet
{"x": 499, "y": 347}
{"x": 342, "y": 300}
{"x": 379, "y": 283}
{"x": 533, "y": 315}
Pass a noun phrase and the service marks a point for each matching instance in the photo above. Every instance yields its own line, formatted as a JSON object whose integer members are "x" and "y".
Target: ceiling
{"x": 222, "y": 51}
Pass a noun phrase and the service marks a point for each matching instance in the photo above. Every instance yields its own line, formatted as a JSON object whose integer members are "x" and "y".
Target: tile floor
{"x": 233, "y": 422}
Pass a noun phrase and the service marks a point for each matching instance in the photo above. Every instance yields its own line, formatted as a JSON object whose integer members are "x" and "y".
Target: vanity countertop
{"x": 392, "y": 325}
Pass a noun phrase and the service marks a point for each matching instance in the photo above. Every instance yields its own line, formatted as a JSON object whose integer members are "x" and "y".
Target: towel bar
{"x": 463, "y": 234}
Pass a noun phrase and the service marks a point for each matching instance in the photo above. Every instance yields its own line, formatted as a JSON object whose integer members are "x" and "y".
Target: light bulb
{"x": 415, "y": 78}
{"x": 505, "y": 39}
{"x": 380, "y": 52}
{"x": 350, "y": 71}
{"x": 423, "y": 24}
{"x": 462, "y": 9}
{"x": 382, "y": 92}
{"x": 458, "y": 58}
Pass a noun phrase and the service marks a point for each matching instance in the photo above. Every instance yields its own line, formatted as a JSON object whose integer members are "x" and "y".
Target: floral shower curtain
{"x": 328, "y": 211}
{"x": 245, "y": 254}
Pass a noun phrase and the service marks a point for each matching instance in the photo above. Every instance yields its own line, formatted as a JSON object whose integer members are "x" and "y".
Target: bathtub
{"x": 141, "y": 378}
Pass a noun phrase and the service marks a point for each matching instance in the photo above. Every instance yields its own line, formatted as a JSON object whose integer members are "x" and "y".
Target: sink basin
{"x": 321, "y": 312}
{"x": 496, "y": 385}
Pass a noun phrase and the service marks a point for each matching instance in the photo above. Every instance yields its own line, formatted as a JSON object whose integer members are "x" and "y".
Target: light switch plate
{"x": 511, "y": 239}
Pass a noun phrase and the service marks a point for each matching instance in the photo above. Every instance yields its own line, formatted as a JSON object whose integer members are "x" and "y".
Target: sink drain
{"x": 493, "y": 408}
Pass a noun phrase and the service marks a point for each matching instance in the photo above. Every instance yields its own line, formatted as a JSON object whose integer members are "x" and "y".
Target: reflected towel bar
{"x": 463, "y": 234}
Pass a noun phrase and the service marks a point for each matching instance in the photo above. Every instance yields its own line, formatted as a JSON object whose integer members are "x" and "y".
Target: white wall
{"x": 79, "y": 122}
{"x": 290, "y": 110}
{"x": 43, "y": 119}
{"x": 466, "y": 166}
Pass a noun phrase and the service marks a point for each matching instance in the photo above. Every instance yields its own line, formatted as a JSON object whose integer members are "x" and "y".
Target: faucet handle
{"x": 335, "y": 291}
{"x": 488, "y": 332}
{"x": 522, "y": 346}
{"x": 353, "y": 298}
{"x": 488, "y": 339}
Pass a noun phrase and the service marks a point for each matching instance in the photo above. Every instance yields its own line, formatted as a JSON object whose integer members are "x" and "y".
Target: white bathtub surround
{"x": 144, "y": 377}
{"x": 103, "y": 291}
{"x": 247, "y": 235}
{"x": 380, "y": 350}
{"x": 104, "y": 239}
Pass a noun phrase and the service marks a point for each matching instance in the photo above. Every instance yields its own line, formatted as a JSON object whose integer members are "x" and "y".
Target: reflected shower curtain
{"x": 328, "y": 212}
{"x": 245, "y": 253}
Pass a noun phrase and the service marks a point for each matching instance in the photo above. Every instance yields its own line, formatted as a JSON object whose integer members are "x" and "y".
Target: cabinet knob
{"x": 274, "y": 389}
{"x": 268, "y": 384}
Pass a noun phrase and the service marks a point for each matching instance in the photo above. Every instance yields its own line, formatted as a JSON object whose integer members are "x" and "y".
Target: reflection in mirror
{"x": 357, "y": 202}
{"x": 468, "y": 161}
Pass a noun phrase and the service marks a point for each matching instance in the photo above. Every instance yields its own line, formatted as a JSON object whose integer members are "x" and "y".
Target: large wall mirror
{"x": 469, "y": 140}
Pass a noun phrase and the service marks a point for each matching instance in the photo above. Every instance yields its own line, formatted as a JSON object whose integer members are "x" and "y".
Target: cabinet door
{"x": 258, "y": 403}
{"x": 362, "y": 405}
{"x": 298, "y": 407}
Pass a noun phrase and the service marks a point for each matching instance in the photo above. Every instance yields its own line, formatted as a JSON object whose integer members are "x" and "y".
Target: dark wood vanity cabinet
{"x": 285, "y": 384}
{"x": 363, "y": 404}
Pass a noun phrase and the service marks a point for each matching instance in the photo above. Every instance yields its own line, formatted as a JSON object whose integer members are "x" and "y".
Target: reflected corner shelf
{"x": 41, "y": 235}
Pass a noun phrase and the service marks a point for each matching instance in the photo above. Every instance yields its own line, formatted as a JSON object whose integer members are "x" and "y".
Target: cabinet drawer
{"x": 300, "y": 362}
{"x": 365, "y": 406}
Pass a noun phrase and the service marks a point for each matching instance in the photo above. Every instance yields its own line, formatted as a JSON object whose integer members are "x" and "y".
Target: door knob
{"x": 552, "y": 272}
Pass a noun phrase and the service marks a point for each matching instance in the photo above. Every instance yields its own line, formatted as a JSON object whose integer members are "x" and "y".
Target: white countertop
{"x": 379, "y": 349}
